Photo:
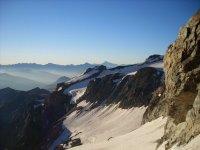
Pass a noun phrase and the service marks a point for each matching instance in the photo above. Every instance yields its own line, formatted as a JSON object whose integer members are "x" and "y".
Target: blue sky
{"x": 79, "y": 31}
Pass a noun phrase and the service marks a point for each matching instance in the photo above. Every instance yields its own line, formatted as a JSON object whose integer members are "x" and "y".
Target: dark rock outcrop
{"x": 100, "y": 89}
{"x": 99, "y": 68}
{"x": 20, "y": 118}
{"x": 31, "y": 120}
{"x": 136, "y": 90}
{"x": 56, "y": 105}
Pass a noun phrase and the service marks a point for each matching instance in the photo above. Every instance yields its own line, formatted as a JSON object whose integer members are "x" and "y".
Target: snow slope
{"x": 103, "y": 122}
{"x": 143, "y": 138}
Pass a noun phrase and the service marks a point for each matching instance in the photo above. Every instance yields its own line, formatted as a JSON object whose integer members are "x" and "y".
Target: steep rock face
{"x": 157, "y": 105}
{"x": 136, "y": 90}
{"x": 180, "y": 99}
{"x": 56, "y": 105}
{"x": 182, "y": 67}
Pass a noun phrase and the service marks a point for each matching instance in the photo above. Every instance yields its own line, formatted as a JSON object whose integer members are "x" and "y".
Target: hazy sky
{"x": 78, "y": 31}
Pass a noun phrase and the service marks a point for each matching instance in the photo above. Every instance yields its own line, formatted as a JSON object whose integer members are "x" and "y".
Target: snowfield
{"x": 103, "y": 123}
{"x": 143, "y": 138}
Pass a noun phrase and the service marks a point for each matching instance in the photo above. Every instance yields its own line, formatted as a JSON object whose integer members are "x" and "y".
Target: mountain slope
{"x": 143, "y": 138}
{"x": 18, "y": 83}
{"x": 99, "y": 106}
{"x": 20, "y": 118}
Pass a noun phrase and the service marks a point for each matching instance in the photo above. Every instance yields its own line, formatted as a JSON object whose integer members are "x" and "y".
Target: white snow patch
{"x": 132, "y": 73}
{"x": 77, "y": 93}
{"x": 78, "y": 85}
{"x": 60, "y": 88}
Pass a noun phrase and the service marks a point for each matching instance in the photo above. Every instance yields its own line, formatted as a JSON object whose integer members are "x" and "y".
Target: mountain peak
{"x": 99, "y": 68}
{"x": 154, "y": 58}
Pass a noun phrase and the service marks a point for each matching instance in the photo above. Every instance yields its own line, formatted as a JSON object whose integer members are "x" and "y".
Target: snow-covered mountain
{"x": 101, "y": 71}
{"x": 99, "y": 95}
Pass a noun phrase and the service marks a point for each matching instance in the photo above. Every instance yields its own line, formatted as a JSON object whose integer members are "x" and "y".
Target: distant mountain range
{"x": 51, "y": 71}
{"x": 25, "y": 76}
{"x": 56, "y": 66}
{"x": 18, "y": 83}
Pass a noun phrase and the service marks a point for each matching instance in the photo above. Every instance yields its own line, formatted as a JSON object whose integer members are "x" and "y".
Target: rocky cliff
{"x": 182, "y": 68}
{"x": 181, "y": 98}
